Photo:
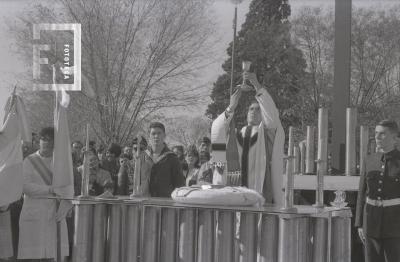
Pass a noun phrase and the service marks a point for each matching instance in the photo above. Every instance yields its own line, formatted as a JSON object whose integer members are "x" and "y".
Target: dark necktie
{"x": 245, "y": 155}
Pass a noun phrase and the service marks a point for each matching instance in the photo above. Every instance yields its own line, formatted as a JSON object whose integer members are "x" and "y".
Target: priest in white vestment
{"x": 37, "y": 233}
{"x": 260, "y": 143}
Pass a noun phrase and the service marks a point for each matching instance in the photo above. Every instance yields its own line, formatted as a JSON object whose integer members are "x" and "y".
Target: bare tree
{"x": 374, "y": 87}
{"x": 187, "y": 130}
{"x": 375, "y": 62}
{"x": 313, "y": 33}
{"x": 137, "y": 55}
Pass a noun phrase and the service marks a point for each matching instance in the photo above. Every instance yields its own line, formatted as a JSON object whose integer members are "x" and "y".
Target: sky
{"x": 11, "y": 66}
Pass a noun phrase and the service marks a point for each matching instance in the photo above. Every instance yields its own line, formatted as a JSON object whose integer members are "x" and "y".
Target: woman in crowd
{"x": 127, "y": 167}
{"x": 179, "y": 152}
{"x": 111, "y": 163}
{"x": 193, "y": 165}
{"x": 98, "y": 177}
{"x": 142, "y": 164}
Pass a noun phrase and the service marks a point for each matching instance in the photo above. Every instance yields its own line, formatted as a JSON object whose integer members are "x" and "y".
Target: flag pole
{"x": 9, "y": 107}
{"x": 58, "y": 223}
{"x": 137, "y": 181}
{"x": 85, "y": 173}
{"x": 233, "y": 49}
{"x": 232, "y": 154}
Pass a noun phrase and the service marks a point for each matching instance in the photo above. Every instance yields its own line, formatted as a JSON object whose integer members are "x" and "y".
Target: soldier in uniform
{"x": 378, "y": 203}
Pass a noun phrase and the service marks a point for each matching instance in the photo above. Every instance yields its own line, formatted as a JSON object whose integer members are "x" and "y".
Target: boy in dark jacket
{"x": 166, "y": 172}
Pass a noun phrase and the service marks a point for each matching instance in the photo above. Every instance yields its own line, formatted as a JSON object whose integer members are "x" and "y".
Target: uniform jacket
{"x": 166, "y": 173}
{"x": 37, "y": 224}
{"x": 381, "y": 181}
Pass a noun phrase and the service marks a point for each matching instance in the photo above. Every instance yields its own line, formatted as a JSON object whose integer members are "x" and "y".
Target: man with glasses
{"x": 98, "y": 177}
{"x": 127, "y": 170}
{"x": 37, "y": 235}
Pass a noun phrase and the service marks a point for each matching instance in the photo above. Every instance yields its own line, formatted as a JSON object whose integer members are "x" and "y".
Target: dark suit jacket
{"x": 380, "y": 181}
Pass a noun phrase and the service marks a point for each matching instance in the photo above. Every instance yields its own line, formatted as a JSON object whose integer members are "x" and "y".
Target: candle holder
{"x": 319, "y": 193}
{"x": 85, "y": 172}
{"x": 288, "y": 205}
{"x": 137, "y": 181}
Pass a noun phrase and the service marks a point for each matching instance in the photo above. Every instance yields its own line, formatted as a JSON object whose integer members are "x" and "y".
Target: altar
{"x": 161, "y": 230}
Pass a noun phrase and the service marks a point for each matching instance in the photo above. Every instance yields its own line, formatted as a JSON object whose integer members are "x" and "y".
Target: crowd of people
{"x": 111, "y": 172}
{"x": 148, "y": 167}
{"x": 114, "y": 169}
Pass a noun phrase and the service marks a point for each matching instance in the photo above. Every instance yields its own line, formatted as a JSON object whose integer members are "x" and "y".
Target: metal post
{"x": 248, "y": 237}
{"x": 351, "y": 123}
{"x": 320, "y": 239}
{"x": 296, "y": 155}
{"x": 133, "y": 232}
{"x": 150, "y": 234}
{"x": 341, "y": 239}
{"x": 114, "y": 233}
{"x": 305, "y": 245}
{"x": 289, "y": 185}
{"x": 290, "y": 236}
{"x": 302, "y": 146}
{"x": 169, "y": 235}
{"x": 83, "y": 232}
{"x": 100, "y": 218}
{"x": 269, "y": 238}
{"x": 233, "y": 50}
{"x": 364, "y": 137}
{"x": 206, "y": 238}
{"x": 85, "y": 174}
{"x": 291, "y": 142}
{"x": 322, "y": 161}
{"x": 187, "y": 233}
{"x": 310, "y": 150}
{"x": 225, "y": 236}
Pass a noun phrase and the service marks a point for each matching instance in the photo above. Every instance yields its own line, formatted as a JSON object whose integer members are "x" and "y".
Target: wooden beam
{"x": 341, "y": 81}
{"x": 309, "y": 182}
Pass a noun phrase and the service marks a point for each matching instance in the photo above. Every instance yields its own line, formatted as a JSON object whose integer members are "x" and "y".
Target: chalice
{"x": 246, "y": 68}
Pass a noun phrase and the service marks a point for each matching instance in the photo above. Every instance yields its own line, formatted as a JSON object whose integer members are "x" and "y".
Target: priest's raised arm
{"x": 260, "y": 143}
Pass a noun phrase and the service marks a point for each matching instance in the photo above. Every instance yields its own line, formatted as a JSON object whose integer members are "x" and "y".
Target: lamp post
{"x": 233, "y": 171}
{"x": 236, "y": 2}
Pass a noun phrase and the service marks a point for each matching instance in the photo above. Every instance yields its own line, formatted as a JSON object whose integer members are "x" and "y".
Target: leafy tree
{"x": 265, "y": 41}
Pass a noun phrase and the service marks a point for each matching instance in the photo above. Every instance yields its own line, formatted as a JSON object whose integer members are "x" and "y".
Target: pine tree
{"x": 265, "y": 41}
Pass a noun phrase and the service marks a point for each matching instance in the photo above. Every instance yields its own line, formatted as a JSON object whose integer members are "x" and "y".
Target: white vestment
{"x": 37, "y": 224}
{"x": 257, "y": 160}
